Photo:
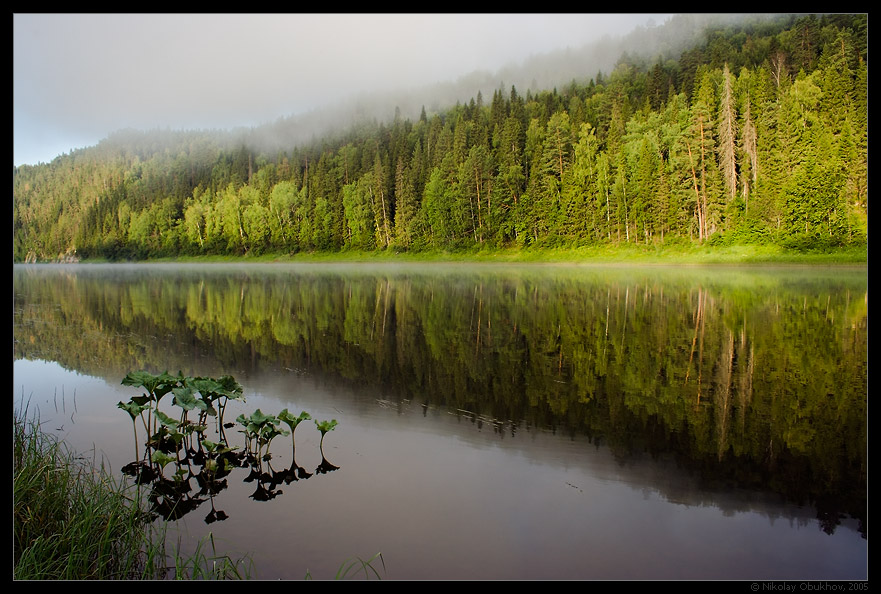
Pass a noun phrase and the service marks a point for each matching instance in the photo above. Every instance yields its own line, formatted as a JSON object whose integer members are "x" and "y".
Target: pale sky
{"x": 79, "y": 77}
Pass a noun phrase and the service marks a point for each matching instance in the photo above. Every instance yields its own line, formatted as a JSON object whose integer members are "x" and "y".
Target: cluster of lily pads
{"x": 182, "y": 441}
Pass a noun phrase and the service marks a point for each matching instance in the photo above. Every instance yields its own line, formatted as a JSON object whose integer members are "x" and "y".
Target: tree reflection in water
{"x": 753, "y": 378}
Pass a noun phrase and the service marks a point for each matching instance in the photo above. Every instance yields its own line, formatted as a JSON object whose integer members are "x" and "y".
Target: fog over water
{"x": 77, "y": 78}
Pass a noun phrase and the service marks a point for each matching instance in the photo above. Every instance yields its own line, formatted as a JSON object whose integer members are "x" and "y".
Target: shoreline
{"x": 596, "y": 255}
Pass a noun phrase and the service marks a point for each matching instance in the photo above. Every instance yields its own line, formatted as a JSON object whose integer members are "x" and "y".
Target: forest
{"x": 756, "y": 135}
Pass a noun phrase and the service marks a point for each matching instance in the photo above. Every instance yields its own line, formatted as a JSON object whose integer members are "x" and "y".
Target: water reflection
{"x": 747, "y": 379}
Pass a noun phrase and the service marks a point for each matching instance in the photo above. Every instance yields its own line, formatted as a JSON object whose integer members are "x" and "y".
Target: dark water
{"x": 495, "y": 422}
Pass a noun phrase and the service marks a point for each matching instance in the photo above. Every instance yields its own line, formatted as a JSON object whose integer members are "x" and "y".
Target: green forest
{"x": 757, "y": 135}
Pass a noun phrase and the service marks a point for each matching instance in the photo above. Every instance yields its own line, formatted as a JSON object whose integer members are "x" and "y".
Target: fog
{"x": 77, "y": 78}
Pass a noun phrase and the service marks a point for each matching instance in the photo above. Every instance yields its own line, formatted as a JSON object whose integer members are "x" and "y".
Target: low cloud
{"x": 79, "y": 77}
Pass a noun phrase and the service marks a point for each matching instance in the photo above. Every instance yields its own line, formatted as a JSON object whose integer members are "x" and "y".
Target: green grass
{"x": 353, "y": 568}
{"x": 73, "y": 521}
{"x": 674, "y": 254}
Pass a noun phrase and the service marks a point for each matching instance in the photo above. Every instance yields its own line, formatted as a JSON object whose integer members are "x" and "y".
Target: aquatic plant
{"x": 177, "y": 439}
{"x": 293, "y": 421}
{"x": 260, "y": 430}
{"x": 157, "y": 386}
{"x": 325, "y": 427}
{"x": 219, "y": 390}
{"x": 134, "y": 410}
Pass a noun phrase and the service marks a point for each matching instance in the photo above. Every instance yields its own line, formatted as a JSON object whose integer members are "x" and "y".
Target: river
{"x": 494, "y": 421}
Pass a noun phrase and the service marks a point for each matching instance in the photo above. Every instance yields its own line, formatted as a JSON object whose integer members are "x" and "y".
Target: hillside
{"x": 756, "y": 133}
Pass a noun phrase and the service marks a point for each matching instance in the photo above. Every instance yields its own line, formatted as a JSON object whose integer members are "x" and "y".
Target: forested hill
{"x": 757, "y": 134}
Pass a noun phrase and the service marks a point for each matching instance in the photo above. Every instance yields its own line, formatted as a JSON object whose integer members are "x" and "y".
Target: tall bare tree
{"x": 728, "y": 135}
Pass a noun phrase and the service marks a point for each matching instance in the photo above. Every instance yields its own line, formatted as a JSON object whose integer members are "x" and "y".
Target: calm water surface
{"x": 495, "y": 422}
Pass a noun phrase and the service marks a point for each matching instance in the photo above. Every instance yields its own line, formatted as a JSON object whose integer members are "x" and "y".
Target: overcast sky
{"x": 79, "y": 77}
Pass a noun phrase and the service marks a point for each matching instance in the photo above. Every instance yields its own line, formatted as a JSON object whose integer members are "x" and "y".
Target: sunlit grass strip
{"x": 674, "y": 254}
{"x": 73, "y": 521}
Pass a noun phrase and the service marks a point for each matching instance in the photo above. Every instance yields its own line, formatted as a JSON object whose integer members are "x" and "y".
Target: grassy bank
{"x": 682, "y": 254}
{"x": 73, "y": 521}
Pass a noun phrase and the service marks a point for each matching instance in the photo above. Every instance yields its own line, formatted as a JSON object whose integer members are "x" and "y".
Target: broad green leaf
{"x": 217, "y": 448}
{"x": 186, "y": 399}
{"x": 231, "y": 388}
{"x": 291, "y": 420}
{"x": 325, "y": 426}
{"x": 156, "y": 385}
{"x": 268, "y": 432}
{"x": 143, "y": 399}
{"x": 166, "y": 420}
{"x": 162, "y": 458}
{"x": 207, "y": 387}
{"x": 132, "y": 408}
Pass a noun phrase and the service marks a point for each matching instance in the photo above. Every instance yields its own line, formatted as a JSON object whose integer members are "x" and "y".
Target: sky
{"x": 77, "y": 78}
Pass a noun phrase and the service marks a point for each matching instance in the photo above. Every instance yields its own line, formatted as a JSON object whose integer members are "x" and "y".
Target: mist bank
{"x": 643, "y": 46}
{"x": 580, "y": 63}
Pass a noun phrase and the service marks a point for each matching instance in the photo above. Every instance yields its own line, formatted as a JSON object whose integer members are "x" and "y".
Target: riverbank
{"x": 648, "y": 255}
{"x": 72, "y": 520}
